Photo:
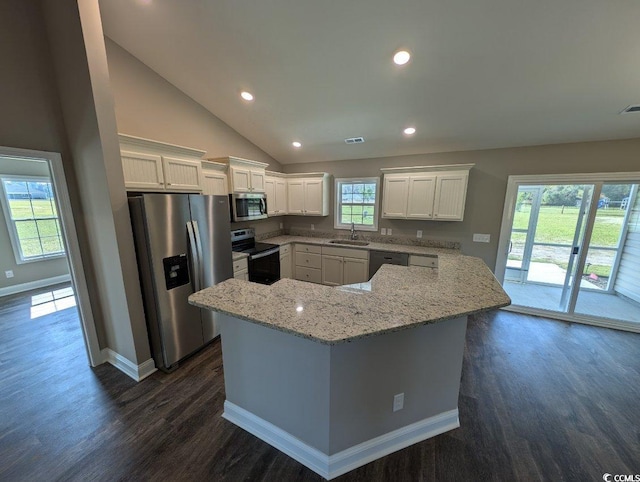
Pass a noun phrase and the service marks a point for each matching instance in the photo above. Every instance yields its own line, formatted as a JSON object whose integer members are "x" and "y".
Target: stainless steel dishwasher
{"x": 378, "y": 258}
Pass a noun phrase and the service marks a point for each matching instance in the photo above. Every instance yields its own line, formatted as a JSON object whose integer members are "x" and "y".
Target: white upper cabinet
{"x": 156, "y": 166}
{"x": 450, "y": 196}
{"x": 182, "y": 174}
{"x": 432, "y": 192}
{"x": 142, "y": 171}
{"x": 308, "y": 195}
{"x": 422, "y": 190}
{"x": 244, "y": 175}
{"x": 275, "y": 187}
{"x": 394, "y": 197}
{"x": 214, "y": 178}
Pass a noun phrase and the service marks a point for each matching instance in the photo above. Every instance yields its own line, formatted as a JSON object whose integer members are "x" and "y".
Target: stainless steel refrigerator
{"x": 183, "y": 245}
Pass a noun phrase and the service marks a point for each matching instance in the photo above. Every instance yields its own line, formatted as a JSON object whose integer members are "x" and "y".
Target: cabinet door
{"x": 332, "y": 270}
{"x": 281, "y": 196}
{"x": 285, "y": 265}
{"x": 214, "y": 183}
{"x": 270, "y": 191}
{"x": 313, "y": 197}
{"x": 142, "y": 171}
{"x": 182, "y": 174}
{"x": 355, "y": 271}
{"x": 295, "y": 196}
{"x": 257, "y": 181}
{"x": 240, "y": 179}
{"x": 394, "y": 197}
{"x": 451, "y": 192}
{"x": 422, "y": 190}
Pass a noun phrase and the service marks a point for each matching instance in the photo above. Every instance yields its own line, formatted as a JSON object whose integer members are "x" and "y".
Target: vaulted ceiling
{"x": 483, "y": 73}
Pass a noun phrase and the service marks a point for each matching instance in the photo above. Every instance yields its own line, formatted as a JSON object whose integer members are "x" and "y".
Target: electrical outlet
{"x": 389, "y": 231}
{"x": 481, "y": 238}
{"x": 8, "y": 274}
{"x": 419, "y": 233}
{"x": 281, "y": 225}
{"x": 398, "y": 402}
{"x": 313, "y": 227}
{"x": 383, "y": 231}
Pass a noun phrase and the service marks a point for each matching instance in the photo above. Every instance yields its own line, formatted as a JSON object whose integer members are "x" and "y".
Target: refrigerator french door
{"x": 183, "y": 246}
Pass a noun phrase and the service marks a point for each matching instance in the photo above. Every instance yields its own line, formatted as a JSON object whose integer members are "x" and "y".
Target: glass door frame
{"x": 595, "y": 179}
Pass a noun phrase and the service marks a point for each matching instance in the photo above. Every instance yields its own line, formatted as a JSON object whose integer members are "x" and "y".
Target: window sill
{"x": 44, "y": 258}
{"x": 357, "y": 228}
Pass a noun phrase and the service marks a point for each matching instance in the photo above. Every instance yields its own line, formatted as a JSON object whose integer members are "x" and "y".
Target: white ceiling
{"x": 484, "y": 73}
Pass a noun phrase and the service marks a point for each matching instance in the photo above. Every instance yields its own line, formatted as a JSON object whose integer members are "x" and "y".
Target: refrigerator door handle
{"x": 196, "y": 233}
{"x": 194, "y": 255}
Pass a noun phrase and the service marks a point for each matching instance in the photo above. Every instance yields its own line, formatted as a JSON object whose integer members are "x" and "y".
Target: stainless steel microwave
{"x": 248, "y": 206}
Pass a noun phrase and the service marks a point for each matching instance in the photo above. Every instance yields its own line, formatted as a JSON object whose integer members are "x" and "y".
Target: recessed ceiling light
{"x": 296, "y": 144}
{"x": 410, "y": 131}
{"x": 401, "y": 57}
{"x": 246, "y": 95}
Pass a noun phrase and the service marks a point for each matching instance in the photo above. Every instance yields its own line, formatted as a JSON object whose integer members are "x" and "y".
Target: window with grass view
{"x": 357, "y": 203}
{"x": 32, "y": 218}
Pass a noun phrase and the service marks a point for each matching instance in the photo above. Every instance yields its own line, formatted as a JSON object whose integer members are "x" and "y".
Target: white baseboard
{"x": 32, "y": 285}
{"x": 137, "y": 372}
{"x": 342, "y": 462}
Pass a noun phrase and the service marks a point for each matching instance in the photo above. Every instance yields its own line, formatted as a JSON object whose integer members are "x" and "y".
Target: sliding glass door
{"x": 572, "y": 248}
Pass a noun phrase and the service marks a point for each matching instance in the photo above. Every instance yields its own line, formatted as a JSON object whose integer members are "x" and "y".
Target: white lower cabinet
{"x": 344, "y": 266}
{"x": 241, "y": 269}
{"x": 308, "y": 263}
{"x": 285, "y": 262}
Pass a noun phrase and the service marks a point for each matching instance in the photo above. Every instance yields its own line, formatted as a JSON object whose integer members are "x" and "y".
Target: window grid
{"x": 33, "y": 218}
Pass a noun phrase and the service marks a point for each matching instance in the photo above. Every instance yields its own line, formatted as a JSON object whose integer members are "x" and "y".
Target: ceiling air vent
{"x": 631, "y": 109}
{"x": 354, "y": 140}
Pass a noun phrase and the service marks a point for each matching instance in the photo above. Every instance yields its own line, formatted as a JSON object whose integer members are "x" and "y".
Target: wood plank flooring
{"x": 540, "y": 400}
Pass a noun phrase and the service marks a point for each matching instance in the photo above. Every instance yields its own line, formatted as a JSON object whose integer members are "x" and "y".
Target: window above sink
{"x": 357, "y": 203}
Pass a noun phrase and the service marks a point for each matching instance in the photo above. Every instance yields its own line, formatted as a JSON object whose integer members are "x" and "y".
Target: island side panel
{"x": 279, "y": 377}
{"x": 424, "y": 363}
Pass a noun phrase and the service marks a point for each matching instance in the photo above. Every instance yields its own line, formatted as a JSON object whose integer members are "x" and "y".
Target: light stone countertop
{"x": 396, "y": 298}
{"x": 237, "y": 255}
{"x": 389, "y": 247}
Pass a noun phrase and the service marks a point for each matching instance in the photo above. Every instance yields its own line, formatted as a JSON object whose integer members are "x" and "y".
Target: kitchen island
{"x": 338, "y": 377}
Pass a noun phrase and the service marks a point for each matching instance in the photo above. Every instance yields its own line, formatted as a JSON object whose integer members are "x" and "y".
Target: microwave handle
{"x": 263, "y": 205}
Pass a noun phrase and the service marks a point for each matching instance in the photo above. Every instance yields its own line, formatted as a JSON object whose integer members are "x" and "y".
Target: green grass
{"x": 21, "y": 208}
{"x": 353, "y": 214}
{"x": 557, "y": 225}
{"x": 37, "y": 238}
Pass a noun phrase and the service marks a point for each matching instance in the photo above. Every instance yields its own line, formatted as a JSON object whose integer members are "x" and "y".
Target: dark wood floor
{"x": 540, "y": 400}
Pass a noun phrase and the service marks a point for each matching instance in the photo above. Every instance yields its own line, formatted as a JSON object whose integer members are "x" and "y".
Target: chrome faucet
{"x": 354, "y": 235}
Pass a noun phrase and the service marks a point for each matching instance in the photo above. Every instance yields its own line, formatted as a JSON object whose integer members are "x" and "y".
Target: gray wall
{"x": 487, "y": 184}
{"x": 76, "y": 40}
{"x": 148, "y": 106}
{"x": 25, "y": 272}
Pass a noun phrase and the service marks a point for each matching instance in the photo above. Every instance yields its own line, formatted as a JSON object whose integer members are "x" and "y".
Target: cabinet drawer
{"x": 308, "y": 248}
{"x": 426, "y": 261}
{"x": 240, "y": 264}
{"x": 308, "y": 274}
{"x": 308, "y": 260}
{"x": 285, "y": 248}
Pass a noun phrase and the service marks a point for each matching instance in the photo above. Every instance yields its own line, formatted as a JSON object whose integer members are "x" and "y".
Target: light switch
{"x": 383, "y": 231}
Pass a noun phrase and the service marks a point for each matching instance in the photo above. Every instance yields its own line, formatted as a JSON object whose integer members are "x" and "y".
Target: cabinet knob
{"x": 168, "y": 184}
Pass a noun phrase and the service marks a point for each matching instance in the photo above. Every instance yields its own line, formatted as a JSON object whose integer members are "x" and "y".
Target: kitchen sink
{"x": 349, "y": 242}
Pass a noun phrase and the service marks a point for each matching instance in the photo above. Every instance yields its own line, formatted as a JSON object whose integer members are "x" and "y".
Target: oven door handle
{"x": 264, "y": 253}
